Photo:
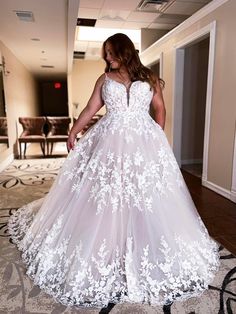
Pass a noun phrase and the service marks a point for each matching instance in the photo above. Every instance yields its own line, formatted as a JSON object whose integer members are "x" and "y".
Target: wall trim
{"x": 210, "y": 7}
{"x": 160, "y": 58}
{"x": 233, "y": 187}
{"x": 177, "y": 103}
{"x": 72, "y": 13}
{"x": 191, "y": 161}
{"x": 218, "y": 189}
{"x": 233, "y": 196}
{"x": 6, "y": 162}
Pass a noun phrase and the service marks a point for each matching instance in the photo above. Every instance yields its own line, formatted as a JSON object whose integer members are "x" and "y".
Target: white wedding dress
{"x": 118, "y": 224}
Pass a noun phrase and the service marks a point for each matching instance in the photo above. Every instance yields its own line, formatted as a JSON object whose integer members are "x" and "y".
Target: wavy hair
{"x": 125, "y": 52}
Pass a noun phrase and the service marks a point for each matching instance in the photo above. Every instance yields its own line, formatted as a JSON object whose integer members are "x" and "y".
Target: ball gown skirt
{"x": 118, "y": 224}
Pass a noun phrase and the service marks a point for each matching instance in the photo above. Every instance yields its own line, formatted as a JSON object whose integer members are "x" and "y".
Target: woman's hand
{"x": 71, "y": 141}
{"x": 94, "y": 104}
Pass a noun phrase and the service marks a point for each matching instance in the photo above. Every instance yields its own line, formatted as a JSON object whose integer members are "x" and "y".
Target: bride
{"x": 118, "y": 224}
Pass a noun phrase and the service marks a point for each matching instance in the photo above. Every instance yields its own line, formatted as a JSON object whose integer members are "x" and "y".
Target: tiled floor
{"x": 217, "y": 212}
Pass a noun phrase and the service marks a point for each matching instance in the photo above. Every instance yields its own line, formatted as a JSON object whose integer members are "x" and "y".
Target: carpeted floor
{"x": 26, "y": 180}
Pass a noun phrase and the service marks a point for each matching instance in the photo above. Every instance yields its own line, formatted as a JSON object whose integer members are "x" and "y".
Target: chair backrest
{"x": 58, "y": 125}
{"x": 94, "y": 120}
{"x": 33, "y": 125}
{"x": 3, "y": 126}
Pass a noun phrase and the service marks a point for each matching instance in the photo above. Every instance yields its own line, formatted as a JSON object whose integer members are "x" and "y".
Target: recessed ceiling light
{"x": 35, "y": 39}
{"x": 86, "y": 22}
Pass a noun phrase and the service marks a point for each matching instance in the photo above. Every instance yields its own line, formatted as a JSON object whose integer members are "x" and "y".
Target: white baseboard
{"x": 233, "y": 196}
{"x": 6, "y": 162}
{"x": 191, "y": 161}
{"x": 218, "y": 189}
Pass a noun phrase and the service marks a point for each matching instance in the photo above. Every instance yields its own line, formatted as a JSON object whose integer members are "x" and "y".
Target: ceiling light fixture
{"x": 86, "y": 22}
{"x": 101, "y": 34}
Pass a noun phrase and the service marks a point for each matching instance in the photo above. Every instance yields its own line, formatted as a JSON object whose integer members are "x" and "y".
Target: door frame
{"x": 160, "y": 59}
{"x": 208, "y": 30}
{"x": 233, "y": 187}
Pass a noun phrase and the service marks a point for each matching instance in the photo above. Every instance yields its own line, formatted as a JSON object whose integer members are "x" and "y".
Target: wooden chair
{"x": 58, "y": 131}
{"x": 32, "y": 132}
{"x": 3, "y": 131}
{"x": 92, "y": 121}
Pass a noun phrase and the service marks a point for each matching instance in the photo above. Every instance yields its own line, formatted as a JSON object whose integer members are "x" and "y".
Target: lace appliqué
{"x": 113, "y": 276}
{"x": 125, "y": 179}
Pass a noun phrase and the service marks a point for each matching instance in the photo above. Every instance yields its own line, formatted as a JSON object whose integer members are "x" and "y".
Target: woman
{"x": 119, "y": 224}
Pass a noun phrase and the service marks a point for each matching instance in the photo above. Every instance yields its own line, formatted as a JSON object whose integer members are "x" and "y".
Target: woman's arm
{"x": 94, "y": 104}
{"x": 159, "y": 106}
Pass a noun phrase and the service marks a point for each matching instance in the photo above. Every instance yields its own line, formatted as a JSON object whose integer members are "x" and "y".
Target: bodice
{"x": 119, "y": 99}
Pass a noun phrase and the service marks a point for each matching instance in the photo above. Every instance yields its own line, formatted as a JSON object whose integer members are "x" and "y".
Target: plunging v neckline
{"x": 126, "y": 89}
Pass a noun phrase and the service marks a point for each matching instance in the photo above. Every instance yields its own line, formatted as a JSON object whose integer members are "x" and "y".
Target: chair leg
{"x": 42, "y": 145}
{"x": 51, "y": 148}
{"x": 47, "y": 147}
{"x": 25, "y": 149}
{"x": 20, "y": 150}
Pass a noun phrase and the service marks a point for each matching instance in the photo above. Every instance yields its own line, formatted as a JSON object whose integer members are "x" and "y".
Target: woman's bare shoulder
{"x": 101, "y": 79}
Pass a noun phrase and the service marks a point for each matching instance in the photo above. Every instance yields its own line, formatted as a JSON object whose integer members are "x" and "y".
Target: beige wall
{"x": 223, "y": 111}
{"x": 149, "y": 36}
{"x": 20, "y": 96}
{"x": 84, "y": 75}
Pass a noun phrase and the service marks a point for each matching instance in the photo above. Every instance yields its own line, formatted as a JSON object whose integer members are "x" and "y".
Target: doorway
{"x": 194, "y": 67}
{"x": 157, "y": 69}
{"x": 196, "y": 59}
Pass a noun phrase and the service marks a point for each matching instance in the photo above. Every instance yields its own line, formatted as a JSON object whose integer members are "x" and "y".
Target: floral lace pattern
{"x": 125, "y": 179}
{"x": 127, "y": 175}
{"x": 118, "y": 224}
{"x": 74, "y": 279}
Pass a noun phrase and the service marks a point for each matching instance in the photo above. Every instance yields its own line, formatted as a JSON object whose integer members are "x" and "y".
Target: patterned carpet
{"x": 26, "y": 180}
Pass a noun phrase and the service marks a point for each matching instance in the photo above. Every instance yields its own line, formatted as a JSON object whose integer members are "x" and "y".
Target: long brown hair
{"x": 126, "y": 53}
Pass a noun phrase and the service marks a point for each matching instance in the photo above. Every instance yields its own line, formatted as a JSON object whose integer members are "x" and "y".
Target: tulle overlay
{"x": 118, "y": 224}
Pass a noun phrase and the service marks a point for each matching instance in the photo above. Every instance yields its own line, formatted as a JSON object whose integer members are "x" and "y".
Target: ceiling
{"x": 130, "y": 15}
{"x": 46, "y": 44}
{"x": 46, "y": 41}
